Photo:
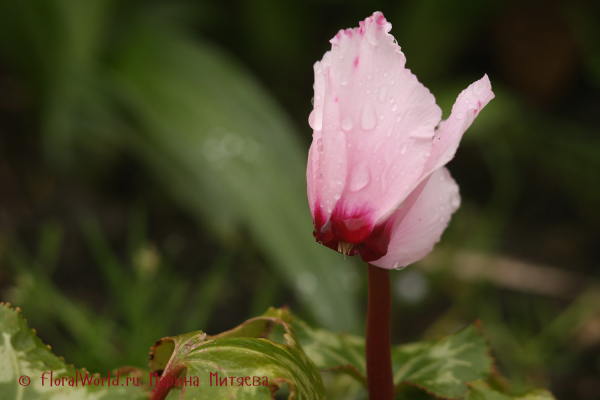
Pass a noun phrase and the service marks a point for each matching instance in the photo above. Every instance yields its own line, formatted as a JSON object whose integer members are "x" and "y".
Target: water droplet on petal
{"x": 397, "y": 266}
{"x": 385, "y": 73}
{"x": 394, "y": 107}
{"x": 392, "y": 81}
{"x": 344, "y": 80}
{"x": 339, "y": 181}
{"x": 382, "y": 94}
{"x": 377, "y": 69}
{"x": 346, "y": 124}
{"x": 360, "y": 177}
{"x": 403, "y": 148}
{"x": 315, "y": 119}
{"x": 368, "y": 118}
{"x": 369, "y": 76}
{"x": 337, "y": 196}
{"x": 389, "y": 131}
{"x": 372, "y": 38}
{"x": 381, "y": 116}
{"x": 455, "y": 201}
{"x": 478, "y": 88}
{"x": 460, "y": 115}
{"x": 398, "y": 117}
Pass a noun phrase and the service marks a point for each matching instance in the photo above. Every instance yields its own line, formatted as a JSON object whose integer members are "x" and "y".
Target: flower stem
{"x": 160, "y": 391}
{"x": 379, "y": 356}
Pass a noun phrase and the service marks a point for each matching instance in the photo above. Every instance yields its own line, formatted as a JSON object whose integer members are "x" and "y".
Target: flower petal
{"x": 374, "y": 121}
{"x": 424, "y": 223}
{"x": 467, "y": 106}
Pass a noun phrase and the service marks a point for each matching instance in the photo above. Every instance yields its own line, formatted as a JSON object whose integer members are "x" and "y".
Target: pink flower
{"x": 377, "y": 185}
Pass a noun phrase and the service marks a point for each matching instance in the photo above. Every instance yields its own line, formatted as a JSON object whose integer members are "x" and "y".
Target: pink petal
{"x": 373, "y": 126}
{"x": 467, "y": 106}
{"x": 424, "y": 223}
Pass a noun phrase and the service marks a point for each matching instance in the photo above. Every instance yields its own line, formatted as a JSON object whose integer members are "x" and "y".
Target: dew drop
{"x": 398, "y": 117}
{"x": 368, "y": 118}
{"x": 397, "y": 266}
{"x": 394, "y": 107}
{"x": 455, "y": 201}
{"x": 372, "y": 38}
{"x": 377, "y": 69}
{"x": 369, "y": 76}
{"x": 339, "y": 181}
{"x": 360, "y": 177}
{"x": 346, "y": 124}
{"x": 382, "y": 94}
{"x": 392, "y": 81}
{"x": 385, "y": 73}
{"x": 315, "y": 119}
{"x": 460, "y": 115}
{"x": 403, "y": 148}
{"x": 389, "y": 131}
{"x": 344, "y": 80}
{"x": 337, "y": 196}
{"x": 381, "y": 116}
{"x": 477, "y": 88}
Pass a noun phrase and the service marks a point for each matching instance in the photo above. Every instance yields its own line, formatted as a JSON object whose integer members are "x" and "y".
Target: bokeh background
{"x": 152, "y": 161}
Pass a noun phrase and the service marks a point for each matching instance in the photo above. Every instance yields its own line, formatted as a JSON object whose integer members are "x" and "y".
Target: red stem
{"x": 160, "y": 391}
{"x": 380, "y": 379}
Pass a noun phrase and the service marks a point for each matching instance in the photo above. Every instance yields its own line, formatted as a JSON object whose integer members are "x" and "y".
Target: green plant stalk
{"x": 380, "y": 380}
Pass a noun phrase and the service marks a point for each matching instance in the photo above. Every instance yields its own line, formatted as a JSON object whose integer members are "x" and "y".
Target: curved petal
{"x": 424, "y": 223}
{"x": 467, "y": 106}
{"x": 373, "y": 125}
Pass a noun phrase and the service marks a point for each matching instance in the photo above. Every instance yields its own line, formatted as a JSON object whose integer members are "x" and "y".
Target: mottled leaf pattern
{"x": 22, "y": 353}
{"x": 444, "y": 367}
{"x": 243, "y": 352}
{"x": 479, "y": 390}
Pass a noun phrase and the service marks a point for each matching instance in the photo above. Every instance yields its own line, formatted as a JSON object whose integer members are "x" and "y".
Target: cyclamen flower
{"x": 377, "y": 185}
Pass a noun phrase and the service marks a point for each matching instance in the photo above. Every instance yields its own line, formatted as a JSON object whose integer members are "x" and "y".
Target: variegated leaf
{"x": 24, "y": 359}
{"x": 240, "y": 363}
{"x": 479, "y": 390}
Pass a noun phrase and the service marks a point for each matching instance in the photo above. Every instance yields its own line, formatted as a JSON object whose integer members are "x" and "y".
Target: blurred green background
{"x": 152, "y": 161}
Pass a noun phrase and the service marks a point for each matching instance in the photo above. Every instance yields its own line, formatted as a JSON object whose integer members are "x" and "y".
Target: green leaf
{"x": 243, "y": 352}
{"x": 333, "y": 351}
{"x": 24, "y": 356}
{"x": 442, "y": 368}
{"x": 479, "y": 390}
{"x": 446, "y": 366}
